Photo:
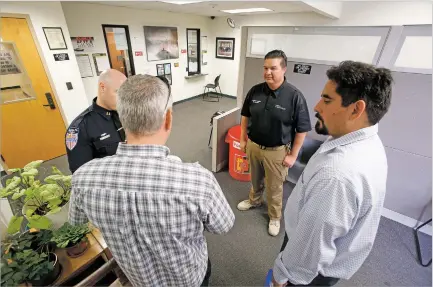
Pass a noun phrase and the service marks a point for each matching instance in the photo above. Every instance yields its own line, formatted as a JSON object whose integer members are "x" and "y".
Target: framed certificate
{"x": 55, "y": 38}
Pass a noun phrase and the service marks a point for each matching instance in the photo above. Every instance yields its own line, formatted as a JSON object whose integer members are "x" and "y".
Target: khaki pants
{"x": 267, "y": 170}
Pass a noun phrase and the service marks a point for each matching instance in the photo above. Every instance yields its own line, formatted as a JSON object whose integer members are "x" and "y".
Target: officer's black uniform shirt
{"x": 95, "y": 133}
{"x": 275, "y": 115}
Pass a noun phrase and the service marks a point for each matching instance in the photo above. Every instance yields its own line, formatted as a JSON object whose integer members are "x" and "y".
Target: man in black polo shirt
{"x": 275, "y": 120}
{"x": 97, "y": 131}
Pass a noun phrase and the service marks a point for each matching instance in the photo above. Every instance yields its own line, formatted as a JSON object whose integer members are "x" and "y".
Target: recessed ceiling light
{"x": 249, "y": 10}
{"x": 183, "y": 2}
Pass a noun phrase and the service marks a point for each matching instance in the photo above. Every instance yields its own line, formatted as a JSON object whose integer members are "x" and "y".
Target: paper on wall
{"x": 120, "y": 39}
{"x": 84, "y": 65}
{"x": 103, "y": 63}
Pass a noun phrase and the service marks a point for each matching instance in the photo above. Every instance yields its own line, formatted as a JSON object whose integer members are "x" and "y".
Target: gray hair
{"x": 141, "y": 104}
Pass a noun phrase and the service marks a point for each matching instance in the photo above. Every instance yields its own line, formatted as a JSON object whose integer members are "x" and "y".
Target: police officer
{"x": 97, "y": 131}
{"x": 275, "y": 121}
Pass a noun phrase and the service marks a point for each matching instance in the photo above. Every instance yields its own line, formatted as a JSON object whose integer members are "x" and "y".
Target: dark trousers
{"x": 207, "y": 276}
{"x": 319, "y": 280}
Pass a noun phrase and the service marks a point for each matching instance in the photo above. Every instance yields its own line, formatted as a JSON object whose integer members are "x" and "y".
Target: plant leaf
{"x": 40, "y": 222}
{"x": 15, "y": 224}
{"x": 18, "y": 194}
{"x": 13, "y": 183}
{"x": 55, "y": 170}
{"x": 29, "y": 212}
{"x": 33, "y": 164}
{"x": 30, "y": 172}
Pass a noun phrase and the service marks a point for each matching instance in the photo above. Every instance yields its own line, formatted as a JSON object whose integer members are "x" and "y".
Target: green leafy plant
{"x": 24, "y": 266}
{"x": 37, "y": 199}
{"x": 69, "y": 235}
{"x": 37, "y": 240}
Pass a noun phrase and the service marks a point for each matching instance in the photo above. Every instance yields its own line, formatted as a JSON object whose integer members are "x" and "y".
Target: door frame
{"x": 128, "y": 41}
{"x": 44, "y": 64}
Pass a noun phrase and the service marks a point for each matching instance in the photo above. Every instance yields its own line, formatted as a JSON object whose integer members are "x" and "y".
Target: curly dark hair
{"x": 359, "y": 81}
{"x": 275, "y": 54}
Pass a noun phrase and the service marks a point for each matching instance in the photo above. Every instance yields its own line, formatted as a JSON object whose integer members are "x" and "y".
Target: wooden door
{"x": 117, "y": 57}
{"x": 29, "y": 130}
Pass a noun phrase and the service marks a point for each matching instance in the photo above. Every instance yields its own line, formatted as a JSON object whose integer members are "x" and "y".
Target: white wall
{"x": 357, "y": 13}
{"x": 95, "y": 15}
{"x": 50, "y": 14}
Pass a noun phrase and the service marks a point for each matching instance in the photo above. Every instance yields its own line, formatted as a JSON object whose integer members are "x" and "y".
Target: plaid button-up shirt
{"x": 152, "y": 210}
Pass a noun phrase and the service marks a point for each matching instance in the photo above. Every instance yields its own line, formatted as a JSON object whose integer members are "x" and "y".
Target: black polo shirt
{"x": 275, "y": 116}
{"x": 95, "y": 133}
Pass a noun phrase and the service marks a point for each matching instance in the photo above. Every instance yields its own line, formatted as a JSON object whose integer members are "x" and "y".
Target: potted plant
{"x": 38, "y": 200}
{"x": 61, "y": 195}
{"x": 73, "y": 238}
{"x": 29, "y": 266}
{"x": 37, "y": 240}
{"x": 19, "y": 182}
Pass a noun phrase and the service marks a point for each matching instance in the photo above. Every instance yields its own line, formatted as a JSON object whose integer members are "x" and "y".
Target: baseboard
{"x": 201, "y": 95}
{"x": 221, "y": 95}
{"x": 406, "y": 220}
{"x": 185, "y": 100}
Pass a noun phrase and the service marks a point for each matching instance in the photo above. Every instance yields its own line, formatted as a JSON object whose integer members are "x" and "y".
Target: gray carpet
{"x": 244, "y": 255}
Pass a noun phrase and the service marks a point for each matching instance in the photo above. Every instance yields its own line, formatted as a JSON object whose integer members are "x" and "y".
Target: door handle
{"x": 50, "y": 101}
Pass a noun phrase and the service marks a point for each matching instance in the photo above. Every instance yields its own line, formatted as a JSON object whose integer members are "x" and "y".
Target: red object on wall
{"x": 239, "y": 166}
{"x": 183, "y": 51}
{"x": 138, "y": 53}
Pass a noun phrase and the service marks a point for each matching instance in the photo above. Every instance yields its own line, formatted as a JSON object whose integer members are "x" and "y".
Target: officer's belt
{"x": 287, "y": 146}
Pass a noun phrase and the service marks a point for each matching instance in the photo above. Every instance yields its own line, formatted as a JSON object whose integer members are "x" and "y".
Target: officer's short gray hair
{"x": 141, "y": 104}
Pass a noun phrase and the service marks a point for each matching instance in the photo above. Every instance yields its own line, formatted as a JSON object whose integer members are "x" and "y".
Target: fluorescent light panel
{"x": 248, "y": 10}
{"x": 183, "y": 2}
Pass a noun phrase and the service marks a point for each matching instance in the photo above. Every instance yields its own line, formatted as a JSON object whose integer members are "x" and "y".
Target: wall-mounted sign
{"x": 61, "y": 57}
{"x": 8, "y": 63}
{"x": 138, "y": 53}
{"x": 183, "y": 51}
{"x": 82, "y": 43}
{"x": 176, "y": 65}
{"x": 302, "y": 69}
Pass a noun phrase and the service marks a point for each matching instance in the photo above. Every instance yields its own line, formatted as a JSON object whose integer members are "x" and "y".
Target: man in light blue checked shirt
{"x": 151, "y": 208}
{"x": 332, "y": 215}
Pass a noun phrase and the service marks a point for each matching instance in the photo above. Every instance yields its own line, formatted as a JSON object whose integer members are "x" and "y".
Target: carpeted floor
{"x": 243, "y": 256}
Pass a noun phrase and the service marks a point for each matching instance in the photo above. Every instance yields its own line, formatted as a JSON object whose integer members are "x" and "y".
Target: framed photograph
{"x": 225, "y": 48}
{"x": 161, "y": 43}
{"x": 160, "y": 69}
{"x": 55, "y": 38}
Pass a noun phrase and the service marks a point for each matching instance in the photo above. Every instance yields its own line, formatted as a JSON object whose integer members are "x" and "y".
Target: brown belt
{"x": 287, "y": 146}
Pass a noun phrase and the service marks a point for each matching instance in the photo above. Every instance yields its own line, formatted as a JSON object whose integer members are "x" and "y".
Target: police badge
{"x": 71, "y": 138}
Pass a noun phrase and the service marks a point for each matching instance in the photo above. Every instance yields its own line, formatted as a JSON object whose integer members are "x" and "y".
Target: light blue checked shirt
{"x": 152, "y": 210}
{"x": 332, "y": 215}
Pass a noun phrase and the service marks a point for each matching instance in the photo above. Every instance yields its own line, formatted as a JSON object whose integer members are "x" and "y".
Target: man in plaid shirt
{"x": 151, "y": 208}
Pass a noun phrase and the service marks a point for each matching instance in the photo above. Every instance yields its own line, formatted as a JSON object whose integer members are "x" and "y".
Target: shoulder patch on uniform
{"x": 71, "y": 138}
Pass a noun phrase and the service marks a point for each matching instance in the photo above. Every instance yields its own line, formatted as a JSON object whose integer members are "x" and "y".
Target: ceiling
{"x": 212, "y": 8}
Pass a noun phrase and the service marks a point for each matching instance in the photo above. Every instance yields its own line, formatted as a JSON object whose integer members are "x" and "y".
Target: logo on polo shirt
{"x": 256, "y": 102}
{"x": 280, "y": 107}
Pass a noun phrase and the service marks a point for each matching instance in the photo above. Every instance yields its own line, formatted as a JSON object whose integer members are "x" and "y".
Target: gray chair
{"x": 308, "y": 149}
{"x": 208, "y": 97}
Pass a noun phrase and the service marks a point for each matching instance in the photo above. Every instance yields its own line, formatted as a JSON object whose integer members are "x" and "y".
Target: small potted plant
{"x": 28, "y": 266}
{"x": 73, "y": 238}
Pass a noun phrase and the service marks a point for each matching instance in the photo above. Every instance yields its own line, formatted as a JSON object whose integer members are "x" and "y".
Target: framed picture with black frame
{"x": 225, "y": 48}
{"x": 164, "y": 70}
{"x": 55, "y": 38}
